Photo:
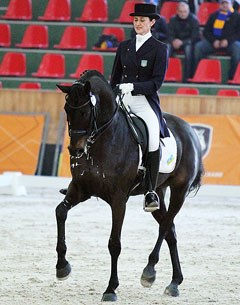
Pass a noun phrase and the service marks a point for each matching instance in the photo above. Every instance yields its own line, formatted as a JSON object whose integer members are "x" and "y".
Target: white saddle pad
{"x": 169, "y": 154}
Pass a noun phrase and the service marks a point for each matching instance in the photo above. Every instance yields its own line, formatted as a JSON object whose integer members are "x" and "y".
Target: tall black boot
{"x": 151, "y": 200}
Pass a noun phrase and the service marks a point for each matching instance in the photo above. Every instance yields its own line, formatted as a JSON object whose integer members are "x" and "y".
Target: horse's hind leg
{"x": 149, "y": 274}
{"x": 177, "y": 277}
{"x": 63, "y": 268}
{"x": 166, "y": 231}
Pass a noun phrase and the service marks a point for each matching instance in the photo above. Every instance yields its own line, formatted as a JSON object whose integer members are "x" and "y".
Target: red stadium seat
{"x": 236, "y": 78}
{"x": 74, "y": 37}
{"x": 206, "y": 9}
{"x": 168, "y": 9}
{"x": 119, "y": 33}
{"x": 35, "y": 36}
{"x": 5, "y": 35}
{"x": 228, "y": 92}
{"x": 128, "y": 7}
{"x": 174, "y": 71}
{"x": 89, "y": 62}
{"x": 19, "y": 9}
{"x": 94, "y": 10}
{"x": 13, "y": 64}
{"x": 208, "y": 71}
{"x": 52, "y": 65}
{"x": 57, "y": 10}
{"x": 185, "y": 90}
{"x": 30, "y": 85}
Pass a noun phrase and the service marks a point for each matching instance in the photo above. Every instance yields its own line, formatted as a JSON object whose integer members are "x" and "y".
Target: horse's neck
{"x": 107, "y": 107}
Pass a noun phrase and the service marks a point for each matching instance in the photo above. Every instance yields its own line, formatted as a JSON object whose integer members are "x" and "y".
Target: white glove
{"x": 126, "y": 88}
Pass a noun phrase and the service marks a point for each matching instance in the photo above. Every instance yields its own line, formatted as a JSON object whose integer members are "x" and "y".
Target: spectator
{"x": 221, "y": 33}
{"x": 183, "y": 33}
{"x": 159, "y": 30}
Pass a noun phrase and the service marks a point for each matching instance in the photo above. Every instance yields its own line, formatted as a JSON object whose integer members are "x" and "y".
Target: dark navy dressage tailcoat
{"x": 144, "y": 68}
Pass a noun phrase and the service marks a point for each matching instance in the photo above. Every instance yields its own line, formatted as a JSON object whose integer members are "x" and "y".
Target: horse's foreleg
{"x": 114, "y": 246}
{"x": 63, "y": 268}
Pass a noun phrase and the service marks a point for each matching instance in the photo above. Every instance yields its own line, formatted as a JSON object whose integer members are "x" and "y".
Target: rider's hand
{"x": 126, "y": 88}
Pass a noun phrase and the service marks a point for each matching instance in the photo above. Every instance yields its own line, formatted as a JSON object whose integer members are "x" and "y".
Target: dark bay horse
{"x": 104, "y": 159}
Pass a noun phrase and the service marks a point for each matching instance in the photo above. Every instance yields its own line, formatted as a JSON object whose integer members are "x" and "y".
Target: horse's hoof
{"x": 148, "y": 276}
{"x": 109, "y": 297}
{"x": 172, "y": 290}
{"x": 63, "y": 274}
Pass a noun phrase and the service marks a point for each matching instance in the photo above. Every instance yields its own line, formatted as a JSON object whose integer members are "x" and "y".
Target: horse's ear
{"x": 87, "y": 87}
{"x": 63, "y": 88}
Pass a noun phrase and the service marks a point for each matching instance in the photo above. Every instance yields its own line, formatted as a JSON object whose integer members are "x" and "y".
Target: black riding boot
{"x": 151, "y": 200}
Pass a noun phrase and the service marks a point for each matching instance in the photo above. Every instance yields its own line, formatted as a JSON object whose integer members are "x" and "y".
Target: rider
{"x": 139, "y": 67}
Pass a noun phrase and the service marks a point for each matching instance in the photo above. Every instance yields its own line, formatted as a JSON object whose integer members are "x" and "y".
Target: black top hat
{"x": 145, "y": 10}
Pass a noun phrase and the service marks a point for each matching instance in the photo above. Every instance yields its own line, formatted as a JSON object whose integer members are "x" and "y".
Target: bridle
{"x": 94, "y": 132}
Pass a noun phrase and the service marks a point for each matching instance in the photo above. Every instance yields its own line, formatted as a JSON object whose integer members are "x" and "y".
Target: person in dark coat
{"x": 221, "y": 33}
{"x": 139, "y": 69}
{"x": 183, "y": 33}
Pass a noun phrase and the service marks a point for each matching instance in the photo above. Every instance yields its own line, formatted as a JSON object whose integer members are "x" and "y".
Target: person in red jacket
{"x": 139, "y": 70}
{"x": 221, "y": 33}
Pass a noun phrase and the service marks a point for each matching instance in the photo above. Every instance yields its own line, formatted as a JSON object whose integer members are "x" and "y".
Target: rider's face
{"x": 142, "y": 25}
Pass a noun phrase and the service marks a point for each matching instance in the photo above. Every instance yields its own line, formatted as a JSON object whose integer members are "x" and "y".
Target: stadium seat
{"x": 128, "y": 7}
{"x": 228, "y": 92}
{"x": 30, "y": 85}
{"x": 94, "y": 11}
{"x": 168, "y": 9}
{"x": 35, "y": 36}
{"x": 119, "y": 33}
{"x": 89, "y": 62}
{"x": 19, "y": 9}
{"x": 206, "y": 9}
{"x": 208, "y": 71}
{"x": 187, "y": 90}
{"x": 13, "y": 64}
{"x": 5, "y": 35}
{"x": 57, "y": 10}
{"x": 174, "y": 71}
{"x": 236, "y": 78}
{"x": 51, "y": 65}
{"x": 73, "y": 37}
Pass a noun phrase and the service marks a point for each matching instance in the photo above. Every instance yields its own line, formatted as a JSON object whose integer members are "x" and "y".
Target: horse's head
{"x": 84, "y": 114}
{"x": 80, "y": 108}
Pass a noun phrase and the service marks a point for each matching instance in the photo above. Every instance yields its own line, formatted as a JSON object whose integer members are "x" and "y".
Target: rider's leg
{"x": 140, "y": 106}
{"x": 151, "y": 201}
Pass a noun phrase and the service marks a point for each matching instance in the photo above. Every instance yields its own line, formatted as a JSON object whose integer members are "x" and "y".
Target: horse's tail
{"x": 197, "y": 182}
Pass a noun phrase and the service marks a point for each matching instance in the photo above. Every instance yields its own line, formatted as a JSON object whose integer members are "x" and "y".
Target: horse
{"x": 104, "y": 162}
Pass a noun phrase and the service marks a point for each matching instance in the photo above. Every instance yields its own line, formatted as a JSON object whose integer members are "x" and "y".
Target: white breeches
{"x": 140, "y": 106}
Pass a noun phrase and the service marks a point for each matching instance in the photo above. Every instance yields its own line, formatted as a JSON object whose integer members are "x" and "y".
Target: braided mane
{"x": 87, "y": 74}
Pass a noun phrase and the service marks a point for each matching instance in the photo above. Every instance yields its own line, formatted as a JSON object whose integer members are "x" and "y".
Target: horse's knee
{"x": 61, "y": 211}
{"x": 114, "y": 247}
